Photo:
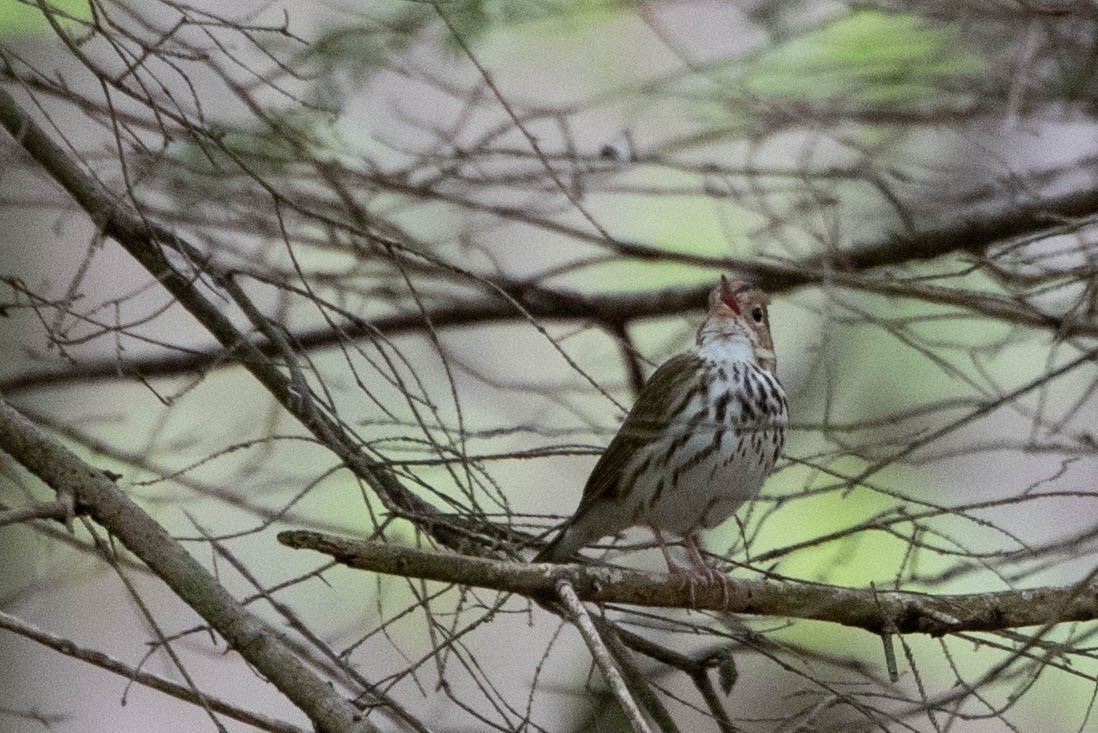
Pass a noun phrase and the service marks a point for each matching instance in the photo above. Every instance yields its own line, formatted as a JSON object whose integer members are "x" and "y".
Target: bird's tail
{"x": 561, "y": 548}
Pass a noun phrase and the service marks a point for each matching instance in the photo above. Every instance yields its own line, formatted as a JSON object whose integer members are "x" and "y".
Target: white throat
{"x": 727, "y": 348}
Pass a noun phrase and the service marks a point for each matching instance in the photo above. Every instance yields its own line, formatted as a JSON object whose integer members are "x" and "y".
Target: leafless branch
{"x": 869, "y": 609}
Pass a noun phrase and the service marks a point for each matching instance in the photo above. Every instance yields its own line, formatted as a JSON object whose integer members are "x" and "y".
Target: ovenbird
{"x": 705, "y": 431}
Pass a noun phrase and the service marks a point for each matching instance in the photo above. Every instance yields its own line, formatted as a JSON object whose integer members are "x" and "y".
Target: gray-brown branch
{"x": 873, "y": 610}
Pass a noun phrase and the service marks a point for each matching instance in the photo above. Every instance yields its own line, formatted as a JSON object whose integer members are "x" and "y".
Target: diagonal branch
{"x": 577, "y": 614}
{"x": 108, "y": 505}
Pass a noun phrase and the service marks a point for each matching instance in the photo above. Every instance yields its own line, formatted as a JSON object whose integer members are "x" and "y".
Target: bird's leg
{"x": 694, "y": 552}
{"x": 710, "y": 574}
{"x": 671, "y": 566}
{"x": 687, "y": 577}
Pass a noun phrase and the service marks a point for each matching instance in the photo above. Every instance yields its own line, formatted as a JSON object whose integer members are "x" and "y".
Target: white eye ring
{"x": 757, "y": 314}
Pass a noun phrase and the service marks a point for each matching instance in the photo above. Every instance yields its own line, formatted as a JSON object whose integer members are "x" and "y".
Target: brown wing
{"x": 667, "y": 389}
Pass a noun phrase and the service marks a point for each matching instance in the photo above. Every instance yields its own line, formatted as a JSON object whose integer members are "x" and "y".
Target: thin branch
{"x": 629, "y": 356}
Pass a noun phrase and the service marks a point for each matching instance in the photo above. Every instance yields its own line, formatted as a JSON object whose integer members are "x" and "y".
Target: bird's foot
{"x": 693, "y": 578}
{"x": 711, "y": 574}
{"x": 702, "y": 573}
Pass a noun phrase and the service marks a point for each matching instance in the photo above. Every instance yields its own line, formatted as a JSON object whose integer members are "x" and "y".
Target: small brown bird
{"x": 705, "y": 431}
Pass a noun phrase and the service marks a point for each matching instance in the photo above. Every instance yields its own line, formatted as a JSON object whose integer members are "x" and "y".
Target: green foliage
{"x": 19, "y": 19}
{"x": 474, "y": 19}
{"x": 359, "y": 51}
{"x": 868, "y": 58}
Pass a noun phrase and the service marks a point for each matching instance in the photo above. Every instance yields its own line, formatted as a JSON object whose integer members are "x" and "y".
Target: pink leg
{"x": 695, "y": 554}
{"x": 688, "y": 578}
{"x": 697, "y": 557}
{"x": 671, "y": 566}
{"x": 710, "y": 574}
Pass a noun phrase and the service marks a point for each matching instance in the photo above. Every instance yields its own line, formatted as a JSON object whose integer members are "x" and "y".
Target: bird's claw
{"x": 691, "y": 578}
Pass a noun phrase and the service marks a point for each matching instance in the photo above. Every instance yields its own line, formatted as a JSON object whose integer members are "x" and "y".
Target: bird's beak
{"x": 727, "y": 306}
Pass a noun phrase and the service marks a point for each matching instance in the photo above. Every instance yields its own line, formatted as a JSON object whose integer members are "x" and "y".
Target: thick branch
{"x": 873, "y": 610}
{"x": 108, "y": 505}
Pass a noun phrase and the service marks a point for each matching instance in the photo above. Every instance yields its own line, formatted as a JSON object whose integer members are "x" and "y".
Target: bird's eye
{"x": 757, "y": 314}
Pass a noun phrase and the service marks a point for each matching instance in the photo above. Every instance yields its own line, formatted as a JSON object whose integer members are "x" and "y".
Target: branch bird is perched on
{"x": 705, "y": 431}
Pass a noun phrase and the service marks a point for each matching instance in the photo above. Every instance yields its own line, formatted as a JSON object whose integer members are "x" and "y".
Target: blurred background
{"x": 477, "y": 227}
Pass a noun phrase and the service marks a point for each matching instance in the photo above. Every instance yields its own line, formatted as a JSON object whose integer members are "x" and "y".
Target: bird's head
{"x": 737, "y": 314}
